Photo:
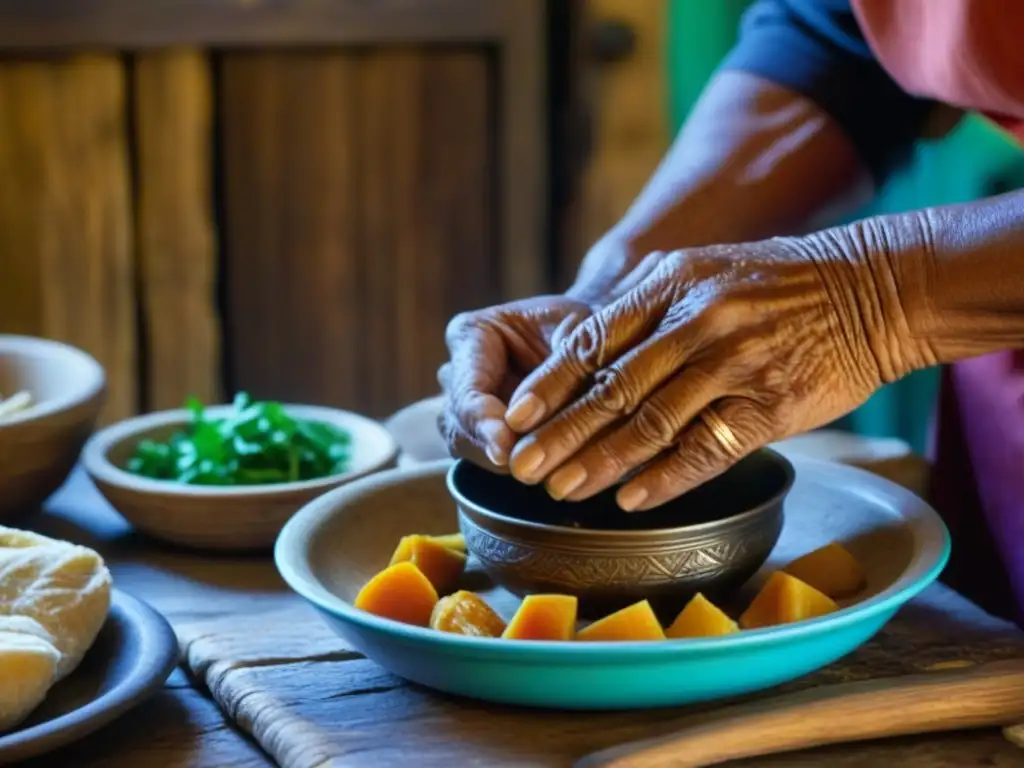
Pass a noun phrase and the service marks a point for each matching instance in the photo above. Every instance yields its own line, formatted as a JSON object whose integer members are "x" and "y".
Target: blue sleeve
{"x": 816, "y": 48}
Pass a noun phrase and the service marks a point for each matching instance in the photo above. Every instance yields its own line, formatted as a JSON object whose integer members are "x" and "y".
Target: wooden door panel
{"x": 175, "y": 241}
{"x": 359, "y": 218}
{"x": 291, "y": 249}
{"x": 292, "y": 200}
{"x": 427, "y": 219}
{"x": 66, "y": 269}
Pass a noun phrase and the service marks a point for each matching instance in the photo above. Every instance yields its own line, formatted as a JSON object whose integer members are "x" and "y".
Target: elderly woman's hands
{"x": 492, "y": 350}
{"x": 715, "y": 353}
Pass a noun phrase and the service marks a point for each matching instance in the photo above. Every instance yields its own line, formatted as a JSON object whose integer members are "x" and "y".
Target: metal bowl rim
{"x": 678, "y": 531}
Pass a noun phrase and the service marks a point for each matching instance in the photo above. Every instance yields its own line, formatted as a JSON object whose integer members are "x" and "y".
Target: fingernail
{"x": 495, "y": 454}
{"x": 490, "y": 432}
{"x": 631, "y": 497}
{"x": 527, "y": 461}
{"x": 566, "y": 480}
{"x": 525, "y": 413}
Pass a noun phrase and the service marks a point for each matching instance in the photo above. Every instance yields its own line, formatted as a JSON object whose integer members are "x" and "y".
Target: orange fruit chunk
{"x": 831, "y": 570}
{"x": 400, "y": 592}
{"x": 454, "y": 541}
{"x": 701, "y": 618}
{"x": 466, "y": 613}
{"x": 785, "y": 599}
{"x": 543, "y": 617}
{"x": 634, "y": 622}
{"x": 441, "y": 565}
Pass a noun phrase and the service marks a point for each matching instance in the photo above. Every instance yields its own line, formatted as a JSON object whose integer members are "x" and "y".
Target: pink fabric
{"x": 970, "y": 53}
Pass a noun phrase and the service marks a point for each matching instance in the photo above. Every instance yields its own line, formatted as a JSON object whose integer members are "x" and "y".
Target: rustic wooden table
{"x": 183, "y": 726}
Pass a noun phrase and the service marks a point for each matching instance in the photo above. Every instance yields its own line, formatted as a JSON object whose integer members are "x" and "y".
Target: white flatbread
{"x": 54, "y": 598}
{"x": 28, "y": 665}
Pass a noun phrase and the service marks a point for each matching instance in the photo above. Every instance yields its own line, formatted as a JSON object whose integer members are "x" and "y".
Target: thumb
{"x": 461, "y": 446}
{"x": 472, "y": 382}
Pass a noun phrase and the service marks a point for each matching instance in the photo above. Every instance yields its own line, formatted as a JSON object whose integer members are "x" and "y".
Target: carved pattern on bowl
{"x": 697, "y": 562}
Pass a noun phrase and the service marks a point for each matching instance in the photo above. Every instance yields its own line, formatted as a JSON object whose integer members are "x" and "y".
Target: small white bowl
{"x": 415, "y": 429}
{"x": 888, "y": 457}
{"x": 221, "y": 517}
{"x": 40, "y": 445}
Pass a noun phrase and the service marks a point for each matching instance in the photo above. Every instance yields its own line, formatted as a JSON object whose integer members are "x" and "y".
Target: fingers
{"x": 616, "y": 393}
{"x": 656, "y": 426}
{"x": 594, "y": 344}
{"x": 471, "y": 382}
{"x": 444, "y": 377}
{"x": 703, "y": 452}
{"x": 460, "y": 446}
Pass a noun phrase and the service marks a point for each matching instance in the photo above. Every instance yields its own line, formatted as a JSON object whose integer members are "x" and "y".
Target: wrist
{"x": 867, "y": 269}
{"x": 593, "y": 294}
{"x": 606, "y": 264}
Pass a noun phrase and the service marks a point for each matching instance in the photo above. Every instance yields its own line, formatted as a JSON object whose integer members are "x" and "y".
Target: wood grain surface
{"x": 308, "y": 697}
{"x": 291, "y": 238}
{"x": 176, "y": 250}
{"x": 127, "y": 24}
{"x": 955, "y": 695}
{"x": 360, "y": 218}
{"x": 66, "y": 268}
{"x": 182, "y": 727}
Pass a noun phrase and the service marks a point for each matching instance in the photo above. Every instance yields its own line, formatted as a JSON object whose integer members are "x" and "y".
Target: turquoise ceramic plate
{"x": 335, "y": 544}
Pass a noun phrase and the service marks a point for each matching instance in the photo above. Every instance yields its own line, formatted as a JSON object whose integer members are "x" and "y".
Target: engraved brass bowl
{"x": 710, "y": 540}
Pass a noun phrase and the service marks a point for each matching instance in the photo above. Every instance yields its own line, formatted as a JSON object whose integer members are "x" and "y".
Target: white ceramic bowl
{"x": 415, "y": 430}
{"x": 39, "y": 446}
{"x": 888, "y": 457}
{"x": 222, "y": 518}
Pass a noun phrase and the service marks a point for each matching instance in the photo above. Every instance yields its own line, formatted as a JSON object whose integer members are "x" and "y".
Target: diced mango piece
{"x": 454, "y": 541}
{"x": 831, "y": 570}
{"x": 466, "y": 613}
{"x": 543, "y": 617}
{"x": 785, "y": 599}
{"x": 634, "y": 622}
{"x": 701, "y": 618}
{"x": 443, "y": 566}
{"x": 400, "y": 592}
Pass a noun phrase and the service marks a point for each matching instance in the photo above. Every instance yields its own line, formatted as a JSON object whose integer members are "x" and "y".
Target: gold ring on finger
{"x": 725, "y": 437}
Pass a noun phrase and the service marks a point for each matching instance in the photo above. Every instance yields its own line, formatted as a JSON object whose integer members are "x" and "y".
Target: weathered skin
{"x": 776, "y": 334}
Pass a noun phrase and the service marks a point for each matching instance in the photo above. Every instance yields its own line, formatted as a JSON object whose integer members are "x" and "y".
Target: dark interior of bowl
{"x": 758, "y": 479}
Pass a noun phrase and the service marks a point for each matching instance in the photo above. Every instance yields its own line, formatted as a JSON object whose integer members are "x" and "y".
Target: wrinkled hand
{"x": 766, "y": 339}
{"x": 492, "y": 350}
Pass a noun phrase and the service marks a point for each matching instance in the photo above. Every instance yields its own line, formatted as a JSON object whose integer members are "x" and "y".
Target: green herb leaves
{"x": 258, "y": 443}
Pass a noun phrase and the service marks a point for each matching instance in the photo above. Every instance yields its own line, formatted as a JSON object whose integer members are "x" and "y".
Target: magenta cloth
{"x": 978, "y": 479}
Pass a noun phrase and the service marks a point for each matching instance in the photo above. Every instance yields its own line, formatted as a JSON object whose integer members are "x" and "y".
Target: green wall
{"x": 973, "y": 161}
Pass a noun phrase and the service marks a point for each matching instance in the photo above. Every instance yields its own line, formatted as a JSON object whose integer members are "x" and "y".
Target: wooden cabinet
{"x": 290, "y": 198}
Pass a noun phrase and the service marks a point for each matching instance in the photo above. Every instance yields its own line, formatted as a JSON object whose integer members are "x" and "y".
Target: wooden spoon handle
{"x": 973, "y": 697}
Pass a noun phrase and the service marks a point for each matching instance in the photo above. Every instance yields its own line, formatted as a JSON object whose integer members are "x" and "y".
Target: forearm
{"x": 753, "y": 160}
{"x": 932, "y": 286}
